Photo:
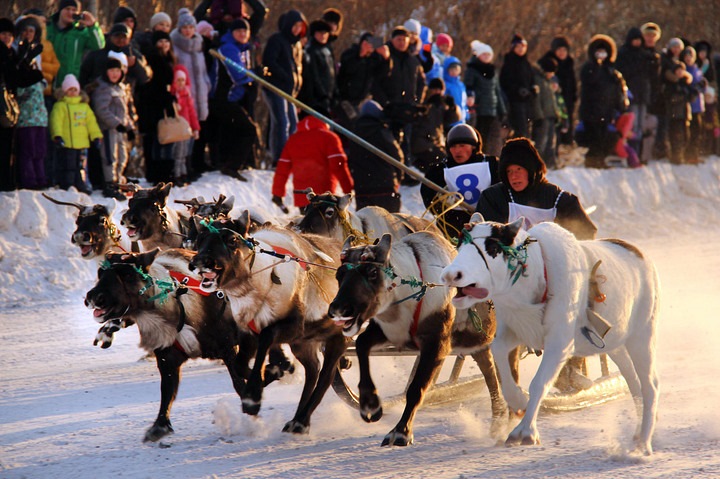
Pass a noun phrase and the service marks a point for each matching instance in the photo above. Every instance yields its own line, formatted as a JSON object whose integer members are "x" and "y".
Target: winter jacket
{"x": 228, "y": 83}
{"x": 154, "y": 98}
{"x": 73, "y": 120}
{"x": 314, "y": 156}
{"x": 455, "y": 87}
{"x": 697, "y": 104}
{"x": 638, "y": 67}
{"x": 545, "y": 104}
{"x": 481, "y": 81}
{"x": 566, "y": 76}
{"x": 16, "y": 71}
{"x": 110, "y": 104}
{"x": 437, "y": 69}
{"x": 517, "y": 79}
{"x": 32, "y": 106}
{"x": 603, "y": 90}
{"x": 358, "y": 74}
{"x": 429, "y": 128}
{"x": 236, "y": 10}
{"x": 93, "y": 66}
{"x": 406, "y": 81}
{"x": 494, "y": 206}
{"x": 71, "y": 44}
{"x": 283, "y": 55}
{"x": 185, "y": 102}
{"x": 47, "y": 62}
{"x": 189, "y": 52}
{"x": 319, "y": 83}
{"x": 371, "y": 174}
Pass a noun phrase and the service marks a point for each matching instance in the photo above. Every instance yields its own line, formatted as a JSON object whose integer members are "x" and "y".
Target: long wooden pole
{"x": 350, "y": 135}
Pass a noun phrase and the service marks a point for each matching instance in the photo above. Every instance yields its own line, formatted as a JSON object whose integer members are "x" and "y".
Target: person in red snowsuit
{"x": 315, "y": 158}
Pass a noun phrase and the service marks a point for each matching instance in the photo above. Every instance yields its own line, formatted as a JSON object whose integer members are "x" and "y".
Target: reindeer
{"x": 283, "y": 301}
{"x": 175, "y": 323}
{"x": 540, "y": 281}
{"x": 373, "y": 285}
{"x": 329, "y": 215}
{"x": 149, "y": 221}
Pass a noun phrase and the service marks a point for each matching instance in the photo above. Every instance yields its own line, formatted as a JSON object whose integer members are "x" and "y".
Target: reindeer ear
{"x": 229, "y": 203}
{"x": 146, "y": 259}
{"x": 163, "y": 190}
{"x": 348, "y": 243}
{"x": 310, "y": 194}
{"x": 344, "y": 202}
{"x": 477, "y": 218}
{"x": 110, "y": 206}
{"x": 515, "y": 226}
{"x": 383, "y": 248}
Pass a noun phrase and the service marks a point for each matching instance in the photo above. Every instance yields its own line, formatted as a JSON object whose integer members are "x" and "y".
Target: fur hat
{"x": 68, "y": 3}
{"x": 651, "y": 27}
{"x": 160, "y": 17}
{"x": 6, "y": 25}
{"x": 333, "y": 15}
{"x": 185, "y": 18}
{"x": 319, "y": 26}
{"x": 478, "y": 48}
{"x": 70, "y": 81}
{"x": 521, "y": 151}
{"x": 463, "y": 134}
{"x": 444, "y": 39}
{"x": 413, "y": 26}
{"x": 517, "y": 39}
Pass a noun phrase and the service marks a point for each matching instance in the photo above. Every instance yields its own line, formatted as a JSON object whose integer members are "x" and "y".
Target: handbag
{"x": 9, "y": 109}
{"x": 173, "y": 129}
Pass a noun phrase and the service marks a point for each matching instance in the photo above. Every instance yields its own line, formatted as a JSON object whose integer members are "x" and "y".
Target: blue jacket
{"x": 455, "y": 87}
{"x": 229, "y": 83}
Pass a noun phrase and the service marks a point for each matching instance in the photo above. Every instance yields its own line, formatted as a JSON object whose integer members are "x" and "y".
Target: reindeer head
{"x": 324, "y": 214}
{"x": 222, "y": 251}
{"x": 117, "y": 292}
{"x": 145, "y": 216}
{"x": 362, "y": 278}
{"x": 480, "y": 269}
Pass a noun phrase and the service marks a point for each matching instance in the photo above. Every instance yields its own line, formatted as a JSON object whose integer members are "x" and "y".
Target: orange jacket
{"x": 314, "y": 156}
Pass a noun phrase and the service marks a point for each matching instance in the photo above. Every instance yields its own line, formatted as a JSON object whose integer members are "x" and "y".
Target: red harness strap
{"x": 179, "y": 347}
{"x": 191, "y": 283}
{"x": 280, "y": 250}
{"x": 416, "y": 315}
{"x": 253, "y": 327}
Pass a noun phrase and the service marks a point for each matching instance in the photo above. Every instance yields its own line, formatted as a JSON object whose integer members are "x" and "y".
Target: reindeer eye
{"x": 372, "y": 274}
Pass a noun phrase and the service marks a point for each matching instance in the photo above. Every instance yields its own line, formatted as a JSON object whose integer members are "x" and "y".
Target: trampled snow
{"x": 70, "y": 409}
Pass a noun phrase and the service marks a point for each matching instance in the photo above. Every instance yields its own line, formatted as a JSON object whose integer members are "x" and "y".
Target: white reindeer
{"x": 539, "y": 281}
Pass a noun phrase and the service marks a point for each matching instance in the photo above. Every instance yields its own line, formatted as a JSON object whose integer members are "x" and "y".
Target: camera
{"x": 77, "y": 17}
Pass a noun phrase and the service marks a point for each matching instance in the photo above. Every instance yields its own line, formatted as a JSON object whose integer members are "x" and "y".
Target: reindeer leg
{"x": 370, "y": 407}
{"x": 504, "y": 347}
{"x": 169, "y": 362}
{"x": 277, "y": 364}
{"x": 486, "y": 363}
{"x": 252, "y": 393}
{"x": 334, "y": 348}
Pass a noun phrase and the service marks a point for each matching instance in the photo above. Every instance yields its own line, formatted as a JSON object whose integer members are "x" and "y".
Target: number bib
{"x": 531, "y": 214}
{"x": 468, "y": 180}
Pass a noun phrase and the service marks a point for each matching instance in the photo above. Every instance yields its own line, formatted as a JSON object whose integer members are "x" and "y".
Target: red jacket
{"x": 185, "y": 100}
{"x": 314, "y": 156}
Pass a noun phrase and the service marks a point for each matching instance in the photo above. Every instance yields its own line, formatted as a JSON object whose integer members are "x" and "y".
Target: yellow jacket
{"x": 73, "y": 120}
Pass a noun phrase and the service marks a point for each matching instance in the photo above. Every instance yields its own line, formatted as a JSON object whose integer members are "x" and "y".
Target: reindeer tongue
{"x": 85, "y": 249}
{"x": 475, "y": 292}
{"x": 98, "y": 312}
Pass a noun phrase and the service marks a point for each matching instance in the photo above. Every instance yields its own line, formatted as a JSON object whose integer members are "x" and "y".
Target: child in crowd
{"x": 110, "y": 104}
{"x": 72, "y": 127}
{"x": 454, "y": 85}
{"x": 181, "y": 88}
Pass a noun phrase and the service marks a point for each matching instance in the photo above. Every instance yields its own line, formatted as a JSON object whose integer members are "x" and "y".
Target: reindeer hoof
{"x": 250, "y": 407}
{"x": 157, "y": 432}
{"x": 371, "y": 415}
{"x": 296, "y": 427}
{"x": 395, "y": 438}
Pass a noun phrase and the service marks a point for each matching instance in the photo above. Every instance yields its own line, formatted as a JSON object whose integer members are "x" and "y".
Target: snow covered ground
{"x": 69, "y": 409}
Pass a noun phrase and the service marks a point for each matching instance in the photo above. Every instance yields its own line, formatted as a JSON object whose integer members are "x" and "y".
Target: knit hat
{"x": 238, "y": 24}
{"x": 651, "y": 27}
{"x": 157, "y": 35}
{"x": 444, "y": 39}
{"x": 399, "y": 30}
{"x": 517, "y": 39}
{"x": 521, "y": 151}
{"x": 123, "y": 13}
{"x": 120, "y": 29}
{"x": 413, "y": 26}
{"x": 559, "y": 41}
{"x": 675, "y": 42}
{"x": 319, "y": 26}
{"x": 185, "y": 18}
{"x": 548, "y": 64}
{"x": 160, "y": 17}
{"x": 478, "y": 48}
{"x": 463, "y": 134}
{"x": 113, "y": 62}
{"x": 689, "y": 51}
{"x": 436, "y": 84}
{"x": 68, "y": 3}
{"x": 372, "y": 109}
{"x": 119, "y": 56}
{"x": 204, "y": 28}
{"x": 6, "y": 25}
{"x": 70, "y": 82}
{"x": 180, "y": 73}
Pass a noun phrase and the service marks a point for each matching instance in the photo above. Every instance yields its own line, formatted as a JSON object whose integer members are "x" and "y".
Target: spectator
{"x": 138, "y": 72}
{"x": 232, "y": 103}
{"x": 334, "y": 18}
{"x": 224, "y": 12}
{"x": 484, "y": 95}
{"x": 518, "y": 82}
{"x": 560, "y": 52}
{"x": 319, "y": 83}
{"x": 546, "y": 111}
{"x": 602, "y": 98}
{"x": 417, "y": 47}
{"x": 429, "y": 129}
{"x": 282, "y": 59}
{"x": 31, "y": 128}
{"x": 188, "y": 49}
{"x": 377, "y": 182}
{"x": 656, "y": 145}
{"x": 126, "y": 15}
{"x": 182, "y": 89}
{"x": 72, "y": 38}
{"x": 157, "y": 101}
{"x": 465, "y": 170}
{"x": 678, "y": 95}
{"x": 452, "y": 68}
{"x": 110, "y": 101}
{"x": 441, "y": 49}
{"x": 160, "y": 21}
{"x": 315, "y": 158}
{"x": 704, "y": 62}
{"x": 73, "y": 126}
{"x": 406, "y": 81}
{"x": 697, "y": 106}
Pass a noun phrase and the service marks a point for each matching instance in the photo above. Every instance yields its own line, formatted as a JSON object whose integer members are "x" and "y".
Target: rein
{"x": 516, "y": 256}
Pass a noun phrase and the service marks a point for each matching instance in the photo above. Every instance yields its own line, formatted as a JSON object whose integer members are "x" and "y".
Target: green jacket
{"x": 73, "y": 120}
{"x": 71, "y": 44}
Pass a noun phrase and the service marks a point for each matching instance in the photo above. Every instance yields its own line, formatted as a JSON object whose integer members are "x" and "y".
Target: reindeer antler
{"x": 79, "y": 206}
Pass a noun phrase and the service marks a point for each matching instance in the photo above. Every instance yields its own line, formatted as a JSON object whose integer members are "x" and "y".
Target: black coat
{"x": 93, "y": 66}
{"x": 283, "y": 55}
{"x": 154, "y": 97}
{"x": 371, "y": 174}
{"x": 319, "y": 84}
{"x": 493, "y": 205}
{"x": 16, "y": 70}
{"x": 517, "y": 79}
{"x": 566, "y": 79}
{"x": 638, "y": 67}
{"x": 430, "y": 127}
{"x": 405, "y": 83}
{"x": 357, "y": 74}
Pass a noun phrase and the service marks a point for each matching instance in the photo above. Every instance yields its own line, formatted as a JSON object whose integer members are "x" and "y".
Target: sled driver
{"x": 465, "y": 170}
